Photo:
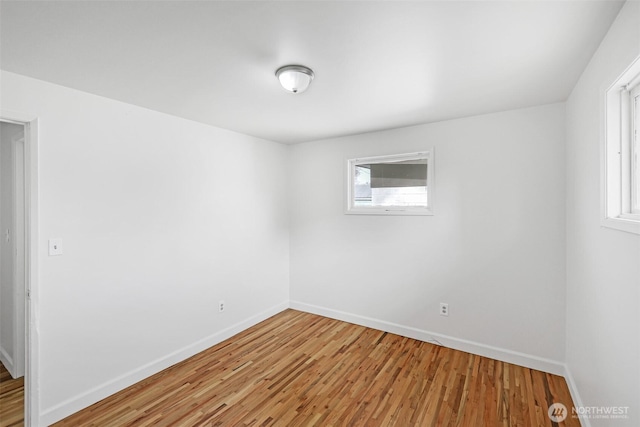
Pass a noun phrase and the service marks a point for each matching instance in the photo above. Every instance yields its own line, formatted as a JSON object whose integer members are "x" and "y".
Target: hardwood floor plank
{"x": 298, "y": 369}
{"x": 11, "y": 399}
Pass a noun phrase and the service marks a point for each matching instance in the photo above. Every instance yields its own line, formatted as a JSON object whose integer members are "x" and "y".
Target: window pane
{"x": 362, "y": 186}
{"x": 405, "y": 174}
{"x": 391, "y": 184}
{"x": 400, "y": 196}
{"x": 635, "y": 149}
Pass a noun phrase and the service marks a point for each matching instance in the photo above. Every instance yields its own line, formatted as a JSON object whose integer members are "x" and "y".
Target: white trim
{"x": 16, "y": 117}
{"x": 427, "y": 155}
{"x": 575, "y": 395}
{"x": 504, "y": 355}
{"x": 32, "y": 341}
{"x": 32, "y": 274}
{"x": 7, "y": 361}
{"x": 630, "y": 217}
{"x": 634, "y": 148}
{"x": 89, "y": 397}
{"x": 19, "y": 236}
{"x": 621, "y": 224}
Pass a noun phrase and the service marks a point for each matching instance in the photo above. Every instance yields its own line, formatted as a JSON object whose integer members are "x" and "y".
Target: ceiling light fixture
{"x": 295, "y": 78}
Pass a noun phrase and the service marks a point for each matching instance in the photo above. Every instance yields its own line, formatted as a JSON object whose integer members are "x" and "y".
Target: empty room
{"x": 320, "y": 213}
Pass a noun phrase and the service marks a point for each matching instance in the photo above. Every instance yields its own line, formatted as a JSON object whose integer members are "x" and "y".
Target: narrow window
{"x": 635, "y": 149}
{"x": 621, "y": 159}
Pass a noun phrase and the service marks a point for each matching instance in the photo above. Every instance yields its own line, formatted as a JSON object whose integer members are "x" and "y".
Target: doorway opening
{"x": 17, "y": 267}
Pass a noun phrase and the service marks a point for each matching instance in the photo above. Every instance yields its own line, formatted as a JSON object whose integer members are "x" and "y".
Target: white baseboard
{"x": 81, "y": 401}
{"x": 573, "y": 389}
{"x": 73, "y": 405}
{"x": 7, "y": 361}
{"x": 504, "y": 355}
{"x": 509, "y": 356}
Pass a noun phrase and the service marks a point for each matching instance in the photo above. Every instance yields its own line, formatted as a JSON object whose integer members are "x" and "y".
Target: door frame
{"x": 19, "y": 251}
{"x": 31, "y": 300}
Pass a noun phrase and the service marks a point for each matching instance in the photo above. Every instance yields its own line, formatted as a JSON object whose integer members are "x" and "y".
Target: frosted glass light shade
{"x": 295, "y": 78}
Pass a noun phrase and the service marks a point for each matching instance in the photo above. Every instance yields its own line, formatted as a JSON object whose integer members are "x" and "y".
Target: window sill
{"x": 389, "y": 211}
{"x": 629, "y": 223}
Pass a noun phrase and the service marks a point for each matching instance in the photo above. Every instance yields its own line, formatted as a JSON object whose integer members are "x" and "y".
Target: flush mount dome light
{"x": 294, "y": 78}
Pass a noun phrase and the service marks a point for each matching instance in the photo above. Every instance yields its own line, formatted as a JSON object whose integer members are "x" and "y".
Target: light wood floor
{"x": 298, "y": 369}
{"x": 11, "y": 399}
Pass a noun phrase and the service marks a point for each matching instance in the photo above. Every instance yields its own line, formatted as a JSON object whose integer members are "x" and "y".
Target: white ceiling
{"x": 378, "y": 65}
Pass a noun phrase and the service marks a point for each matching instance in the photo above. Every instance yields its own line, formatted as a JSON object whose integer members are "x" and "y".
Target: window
{"x": 635, "y": 148}
{"x": 621, "y": 160}
{"x": 400, "y": 184}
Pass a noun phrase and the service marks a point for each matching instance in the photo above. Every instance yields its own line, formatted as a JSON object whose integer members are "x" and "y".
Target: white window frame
{"x": 427, "y": 155}
{"x": 634, "y": 94}
{"x": 619, "y": 207}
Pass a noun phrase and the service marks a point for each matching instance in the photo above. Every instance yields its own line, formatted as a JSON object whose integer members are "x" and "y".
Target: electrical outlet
{"x": 221, "y": 306}
{"x": 444, "y": 309}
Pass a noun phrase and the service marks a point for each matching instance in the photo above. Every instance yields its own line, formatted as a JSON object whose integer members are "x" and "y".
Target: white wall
{"x": 603, "y": 265}
{"x": 494, "y": 249}
{"x": 7, "y": 289}
{"x": 160, "y": 218}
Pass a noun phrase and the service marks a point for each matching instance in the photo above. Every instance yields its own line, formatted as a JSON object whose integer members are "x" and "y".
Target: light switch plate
{"x": 55, "y": 247}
